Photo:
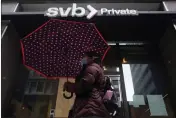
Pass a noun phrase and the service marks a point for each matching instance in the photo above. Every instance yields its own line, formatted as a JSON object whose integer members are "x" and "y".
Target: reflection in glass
{"x": 148, "y": 99}
{"x": 157, "y": 105}
{"x": 33, "y": 87}
{"x": 54, "y": 86}
{"x": 40, "y": 87}
{"x": 27, "y": 87}
{"x": 48, "y": 87}
{"x": 115, "y": 84}
{"x": 143, "y": 80}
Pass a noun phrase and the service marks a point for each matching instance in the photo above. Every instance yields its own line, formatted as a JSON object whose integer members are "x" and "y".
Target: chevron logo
{"x": 74, "y": 11}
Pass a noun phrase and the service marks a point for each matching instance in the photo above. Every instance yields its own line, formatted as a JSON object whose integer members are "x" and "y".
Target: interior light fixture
{"x": 124, "y": 60}
{"x": 104, "y": 68}
{"x": 117, "y": 69}
{"x": 138, "y": 43}
{"x": 111, "y": 43}
{"x": 122, "y": 43}
{"x": 128, "y": 82}
{"x": 175, "y": 26}
{"x": 23, "y": 108}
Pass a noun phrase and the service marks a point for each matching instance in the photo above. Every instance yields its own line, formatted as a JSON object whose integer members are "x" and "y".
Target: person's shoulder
{"x": 93, "y": 67}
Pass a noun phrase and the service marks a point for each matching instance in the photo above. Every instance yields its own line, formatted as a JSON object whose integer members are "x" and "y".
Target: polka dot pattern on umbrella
{"x": 56, "y": 48}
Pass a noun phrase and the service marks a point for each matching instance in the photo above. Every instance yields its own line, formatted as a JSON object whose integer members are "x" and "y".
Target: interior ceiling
{"x": 140, "y": 54}
{"x": 120, "y": 29}
{"x": 123, "y": 28}
{"x": 111, "y": 59}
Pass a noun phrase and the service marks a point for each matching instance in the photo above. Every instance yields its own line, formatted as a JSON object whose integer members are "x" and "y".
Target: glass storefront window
{"x": 33, "y": 87}
{"x": 145, "y": 93}
{"x": 40, "y": 86}
{"x": 34, "y": 75}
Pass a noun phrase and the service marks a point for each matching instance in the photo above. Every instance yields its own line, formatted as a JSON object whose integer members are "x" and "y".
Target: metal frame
{"x": 16, "y": 15}
{"x": 5, "y": 29}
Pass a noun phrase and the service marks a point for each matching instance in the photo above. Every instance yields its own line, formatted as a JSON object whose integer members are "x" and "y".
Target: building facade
{"x": 142, "y": 45}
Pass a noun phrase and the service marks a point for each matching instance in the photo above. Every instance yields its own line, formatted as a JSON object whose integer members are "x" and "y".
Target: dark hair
{"x": 98, "y": 61}
{"x": 92, "y": 54}
{"x": 96, "y": 56}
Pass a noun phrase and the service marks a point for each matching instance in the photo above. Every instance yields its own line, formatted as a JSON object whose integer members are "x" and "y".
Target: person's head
{"x": 90, "y": 57}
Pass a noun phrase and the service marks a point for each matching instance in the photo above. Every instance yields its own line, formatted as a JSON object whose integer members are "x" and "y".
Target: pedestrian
{"x": 89, "y": 89}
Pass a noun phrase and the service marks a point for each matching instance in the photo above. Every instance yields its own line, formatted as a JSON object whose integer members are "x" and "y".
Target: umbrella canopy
{"x": 56, "y": 48}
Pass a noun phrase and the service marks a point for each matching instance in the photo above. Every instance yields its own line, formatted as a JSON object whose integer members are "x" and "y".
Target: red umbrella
{"x": 55, "y": 49}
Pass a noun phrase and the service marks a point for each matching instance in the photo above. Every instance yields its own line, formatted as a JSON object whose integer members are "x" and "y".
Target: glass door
{"x": 145, "y": 82}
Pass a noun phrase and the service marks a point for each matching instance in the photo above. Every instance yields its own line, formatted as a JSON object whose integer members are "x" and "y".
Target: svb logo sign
{"x": 76, "y": 11}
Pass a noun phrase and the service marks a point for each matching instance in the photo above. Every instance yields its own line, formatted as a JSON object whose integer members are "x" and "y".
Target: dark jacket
{"x": 89, "y": 90}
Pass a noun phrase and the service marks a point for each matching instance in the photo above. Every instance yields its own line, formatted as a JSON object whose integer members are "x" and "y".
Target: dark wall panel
{"x": 10, "y": 60}
{"x": 168, "y": 50}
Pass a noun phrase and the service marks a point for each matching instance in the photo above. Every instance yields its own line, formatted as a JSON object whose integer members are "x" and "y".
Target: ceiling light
{"x": 111, "y": 43}
{"x": 124, "y": 60}
{"x": 104, "y": 68}
{"x": 117, "y": 69}
{"x": 122, "y": 43}
{"x": 23, "y": 107}
{"x": 139, "y": 43}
